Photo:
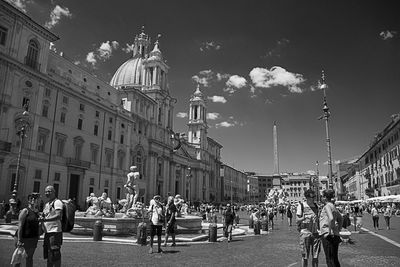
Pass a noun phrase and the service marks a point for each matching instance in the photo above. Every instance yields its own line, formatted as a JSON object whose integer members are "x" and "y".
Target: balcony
{"x": 5, "y": 146}
{"x": 78, "y": 163}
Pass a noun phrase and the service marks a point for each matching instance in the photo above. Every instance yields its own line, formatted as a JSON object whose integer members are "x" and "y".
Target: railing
{"x": 78, "y": 163}
{"x": 5, "y": 146}
{"x": 391, "y": 183}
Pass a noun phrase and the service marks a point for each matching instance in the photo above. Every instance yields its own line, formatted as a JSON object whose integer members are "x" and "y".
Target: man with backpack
{"x": 307, "y": 225}
{"x": 51, "y": 218}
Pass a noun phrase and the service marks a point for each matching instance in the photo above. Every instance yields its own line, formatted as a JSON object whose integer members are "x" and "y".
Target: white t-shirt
{"x": 50, "y": 210}
{"x": 155, "y": 209}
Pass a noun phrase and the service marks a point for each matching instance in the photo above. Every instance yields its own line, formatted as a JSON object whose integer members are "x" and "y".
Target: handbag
{"x": 18, "y": 255}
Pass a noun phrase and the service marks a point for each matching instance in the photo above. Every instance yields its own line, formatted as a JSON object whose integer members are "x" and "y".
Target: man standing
{"x": 307, "y": 220}
{"x": 52, "y": 214}
{"x": 156, "y": 213}
{"x": 229, "y": 218}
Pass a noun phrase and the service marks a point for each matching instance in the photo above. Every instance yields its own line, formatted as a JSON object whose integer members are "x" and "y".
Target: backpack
{"x": 68, "y": 215}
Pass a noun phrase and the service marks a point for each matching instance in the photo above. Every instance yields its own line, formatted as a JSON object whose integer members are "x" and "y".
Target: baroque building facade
{"x": 85, "y": 133}
{"x": 377, "y": 171}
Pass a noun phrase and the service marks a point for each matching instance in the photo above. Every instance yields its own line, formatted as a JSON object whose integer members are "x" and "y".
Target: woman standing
{"x": 387, "y": 214}
{"x": 375, "y": 217}
{"x": 289, "y": 215}
{"x": 28, "y": 228}
{"x": 170, "y": 217}
{"x": 330, "y": 221}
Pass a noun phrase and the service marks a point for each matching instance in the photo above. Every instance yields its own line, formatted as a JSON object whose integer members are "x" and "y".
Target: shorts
{"x": 52, "y": 242}
{"x": 156, "y": 230}
{"x": 310, "y": 242}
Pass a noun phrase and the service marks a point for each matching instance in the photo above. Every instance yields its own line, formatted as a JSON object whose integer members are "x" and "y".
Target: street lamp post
{"x": 22, "y": 124}
{"x": 317, "y": 191}
{"x": 189, "y": 177}
{"x": 326, "y": 116}
{"x": 231, "y": 193}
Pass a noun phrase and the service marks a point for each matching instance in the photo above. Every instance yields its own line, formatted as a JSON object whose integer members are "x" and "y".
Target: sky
{"x": 257, "y": 62}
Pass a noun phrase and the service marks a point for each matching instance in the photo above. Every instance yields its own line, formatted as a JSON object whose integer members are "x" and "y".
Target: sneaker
{"x": 173, "y": 245}
{"x": 160, "y": 250}
{"x": 151, "y": 251}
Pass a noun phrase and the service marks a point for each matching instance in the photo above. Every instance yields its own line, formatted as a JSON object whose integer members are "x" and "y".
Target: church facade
{"x": 84, "y": 133}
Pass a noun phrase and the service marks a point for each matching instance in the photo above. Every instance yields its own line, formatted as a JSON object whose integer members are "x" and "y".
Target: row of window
{"x": 379, "y": 149}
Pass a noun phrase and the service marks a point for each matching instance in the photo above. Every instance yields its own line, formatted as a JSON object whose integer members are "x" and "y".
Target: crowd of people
{"x": 318, "y": 224}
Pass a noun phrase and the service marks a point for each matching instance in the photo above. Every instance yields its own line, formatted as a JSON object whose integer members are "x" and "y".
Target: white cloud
{"x": 222, "y": 76}
{"x": 225, "y": 124}
{"x": 106, "y": 48}
{"x": 217, "y": 99}
{"x": 236, "y": 81}
{"x": 212, "y": 45}
{"x": 204, "y": 77}
{"x": 262, "y": 77}
{"x": 182, "y": 115}
{"x": 229, "y": 90}
{"x": 229, "y": 123}
{"x": 20, "y": 4}
{"x": 103, "y": 53}
{"x": 385, "y": 35}
{"x": 213, "y": 115}
{"x": 233, "y": 83}
{"x": 91, "y": 58}
{"x": 56, "y": 14}
{"x": 128, "y": 48}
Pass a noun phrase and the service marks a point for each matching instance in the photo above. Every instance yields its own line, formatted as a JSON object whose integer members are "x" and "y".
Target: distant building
{"x": 234, "y": 185}
{"x": 296, "y": 184}
{"x": 377, "y": 170}
{"x": 252, "y": 189}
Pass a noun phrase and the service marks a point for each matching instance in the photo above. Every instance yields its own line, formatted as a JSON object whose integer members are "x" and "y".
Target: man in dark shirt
{"x": 229, "y": 218}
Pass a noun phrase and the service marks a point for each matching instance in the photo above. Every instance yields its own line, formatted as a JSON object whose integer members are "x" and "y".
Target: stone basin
{"x": 121, "y": 225}
{"x": 188, "y": 224}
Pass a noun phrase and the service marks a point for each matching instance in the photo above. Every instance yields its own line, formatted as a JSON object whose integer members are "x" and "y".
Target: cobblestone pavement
{"x": 278, "y": 248}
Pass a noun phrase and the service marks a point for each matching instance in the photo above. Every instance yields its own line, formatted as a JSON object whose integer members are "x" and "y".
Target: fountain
{"x": 126, "y": 222}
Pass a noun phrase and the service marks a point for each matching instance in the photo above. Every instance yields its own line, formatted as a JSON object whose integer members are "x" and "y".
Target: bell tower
{"x": 141, "y": 44}
{"x": 197, "y": 135}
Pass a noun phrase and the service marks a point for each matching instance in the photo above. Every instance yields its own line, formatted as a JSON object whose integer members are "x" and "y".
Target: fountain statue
{"x": 132, "y": 186}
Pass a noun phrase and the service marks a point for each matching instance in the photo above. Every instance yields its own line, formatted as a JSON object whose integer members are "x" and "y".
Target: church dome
{"x": 129, "y": 73}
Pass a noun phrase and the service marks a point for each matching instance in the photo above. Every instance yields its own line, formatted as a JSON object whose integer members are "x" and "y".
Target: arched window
{"x": 33, "y": 54}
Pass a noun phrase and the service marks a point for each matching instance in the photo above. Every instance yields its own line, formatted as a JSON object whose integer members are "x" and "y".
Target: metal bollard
{"x": 98, "y": 231}
{"x": 212, "y": 235}
{"x": 257, "y": 226}
{"x": 251, "y": 222}
{"x": 264, "y": 224}
{"x": 141, "y": 234}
